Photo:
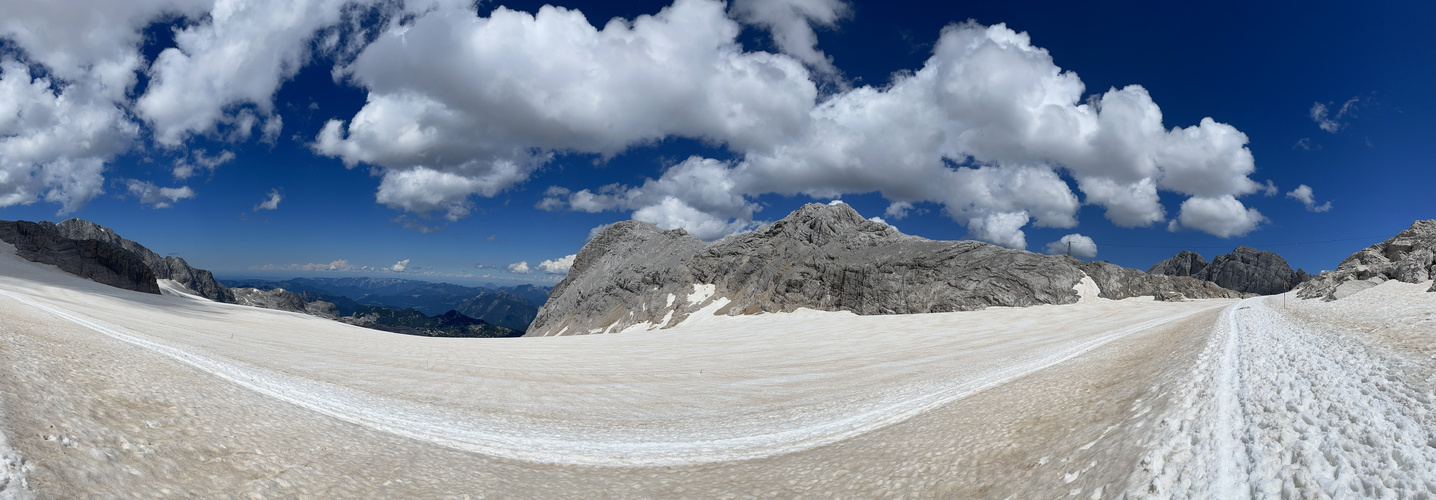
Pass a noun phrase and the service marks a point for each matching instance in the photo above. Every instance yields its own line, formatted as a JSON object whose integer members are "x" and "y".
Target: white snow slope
{"x": 1255, "y": 402}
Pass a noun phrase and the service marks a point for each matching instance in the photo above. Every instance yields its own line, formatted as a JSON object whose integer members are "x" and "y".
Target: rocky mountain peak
{"x": 821, "y": 224}
{"x": 823, "y": 257}
{"x": 1245, "y": 269}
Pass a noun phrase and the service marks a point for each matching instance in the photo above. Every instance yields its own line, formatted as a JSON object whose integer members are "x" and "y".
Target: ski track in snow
{"x": 474, "y": 434}
{"x": 1276, "y": 408}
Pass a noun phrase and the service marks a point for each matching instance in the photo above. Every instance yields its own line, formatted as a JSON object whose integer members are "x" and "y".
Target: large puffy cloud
{"x": 95, "y": 41}
{"x": 55, "y": 138}
{"x": 481, "y": 101}
{"x": 459, "y": 105}
{"x": 238, "y": 55}
{"x": 1222, "y": 216}
{"x": 699, "y": 195}
{"x": 58, "y": 132}
{"x": 984, "y": 128}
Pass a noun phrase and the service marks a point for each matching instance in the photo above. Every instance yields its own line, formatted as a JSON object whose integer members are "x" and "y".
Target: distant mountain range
{"x": 413, "y": 322}
{"x": 511, "y": 307}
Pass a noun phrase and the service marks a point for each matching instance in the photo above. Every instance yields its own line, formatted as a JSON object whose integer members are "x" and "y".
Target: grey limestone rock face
{"x": 92, "y": 259}
{"x": 1246, "y": 270}
{"x": 1409, "y": 257}
{"x": 823, "y": 257}
{"x": 1182, "y": 264}
{"x": 171, "y": 268}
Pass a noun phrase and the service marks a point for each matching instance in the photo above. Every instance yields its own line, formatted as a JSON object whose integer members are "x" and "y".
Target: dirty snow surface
{"x": 110, "y": 393}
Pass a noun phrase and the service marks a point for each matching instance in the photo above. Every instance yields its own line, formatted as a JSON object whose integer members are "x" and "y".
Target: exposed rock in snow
{"x": 1246, "y": 269}
{"x": 1409, "y": 257}
{"x": 821, "y": 257}
{"x": 173, "y": 268}
{"x": 95, "y": 260}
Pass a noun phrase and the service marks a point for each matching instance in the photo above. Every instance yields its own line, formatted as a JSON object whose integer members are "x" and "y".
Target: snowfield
{"x": 109, "y": 392}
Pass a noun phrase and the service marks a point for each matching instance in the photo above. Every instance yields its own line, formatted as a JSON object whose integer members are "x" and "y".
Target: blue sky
{"x": 460, "y": 140}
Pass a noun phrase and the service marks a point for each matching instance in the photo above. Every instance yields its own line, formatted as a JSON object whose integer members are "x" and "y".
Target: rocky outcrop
{"x": 1409, "y": 257}
{"x": 284, "y": 300}
{"x": 171, "y": 268}
{"x": 1246, "y": 269}
{"x": 825, "y": 257}
{"x": 175, "y": 269}
{"x": 92, "y": 259}
{"x": 1183, "y": 263}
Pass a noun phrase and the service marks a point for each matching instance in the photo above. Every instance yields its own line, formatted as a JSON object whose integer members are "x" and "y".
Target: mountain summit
{"x": 1246, "y": 269}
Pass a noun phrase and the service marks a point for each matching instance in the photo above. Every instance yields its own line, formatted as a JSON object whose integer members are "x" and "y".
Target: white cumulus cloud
{"x": 521, "y": 267}
{"x": 790, "y": 23}
{"x": 557, "y": 266}
{"x": 698, "y": 195}
{"x": 270, "y": 203}
{"x": 1303, "y": 194}
{"x": 225, "y": 69}
{"x": 476, "y": 104}
{"x": 55, "y": 137}
{"x": 982, "y": 129}
{"x": 155, "y": 196}
{"x": 1222, "y": 216}
{"x": 186, "y": 168}
{"x": 1076, "y": 245}
{"x": 398, "y": 267}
